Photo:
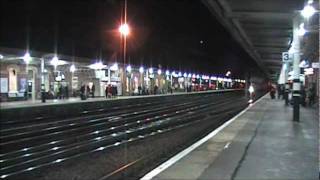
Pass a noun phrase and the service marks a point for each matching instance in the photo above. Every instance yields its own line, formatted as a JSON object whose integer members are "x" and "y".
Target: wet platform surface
{"x": 261, "y": 143}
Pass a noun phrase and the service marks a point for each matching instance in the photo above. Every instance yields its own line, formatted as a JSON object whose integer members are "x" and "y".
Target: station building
{"x": 24, "y": 75}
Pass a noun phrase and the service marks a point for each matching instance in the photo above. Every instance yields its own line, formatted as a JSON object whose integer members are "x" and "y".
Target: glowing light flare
{"x": 72, "y": 68}
{"x": 56, "y": 62}
{"x": 251, "y": 89}
{"x": 141, "y": 69}
{"x": 129, "y": 69}
{"x": 150, "y": 70}
{"x": 114, "y": 67}
{"x": 159, "y": 71}
{"x": 124, "y": 29}
{"x": 97, "y": 65}
{"x": 308, "y": 11}
{"x": 26, "y": 58}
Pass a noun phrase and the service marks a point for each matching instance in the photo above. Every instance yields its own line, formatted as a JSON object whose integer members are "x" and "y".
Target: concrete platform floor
{"x": 262, "y": 143}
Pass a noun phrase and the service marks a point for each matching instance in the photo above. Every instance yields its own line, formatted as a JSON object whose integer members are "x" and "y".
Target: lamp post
{"x": 43, "y": 97}
{"x": 128, "y": 71}
{"x": 124, "y": 32}
{"x": 27, "y": 59}
{"x": 298, "y": 33}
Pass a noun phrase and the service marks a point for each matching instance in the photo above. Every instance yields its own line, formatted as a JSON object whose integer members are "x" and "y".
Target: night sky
{"x": 166, "y": 32}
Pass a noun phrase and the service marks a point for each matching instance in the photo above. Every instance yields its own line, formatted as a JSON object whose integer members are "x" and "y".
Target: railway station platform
{"x": 261, "y": 142}
{"x": 37, "y": 103}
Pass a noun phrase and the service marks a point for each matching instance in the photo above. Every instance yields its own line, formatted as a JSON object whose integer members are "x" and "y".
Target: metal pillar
{"x": 286, "y": 84}
{"x": 296, "y": 70}
{"x": 43, "y": 97}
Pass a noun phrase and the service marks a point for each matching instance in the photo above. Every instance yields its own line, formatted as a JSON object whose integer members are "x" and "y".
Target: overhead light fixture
{"x": 129, "y": 69}
{"x": 56, "y": 62}
{"x": 159, "y": 71}
{"x": 97, "y": 66}
{"x": 114, "y": 67}
{"x": 26, "y": 58}
{"x": 141, "y": 69}
{"x": 150, "y": 70}
{"x": 308, "y": 11}
{"x": 72, "y": 68}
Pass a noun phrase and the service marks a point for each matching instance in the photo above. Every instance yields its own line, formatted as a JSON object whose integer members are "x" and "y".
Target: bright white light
{"x": 198, "y": 76}
{"x": 189, "y": 75}
{"x": 193, "y": 76}
{"x": 301, "y": 30}
{"x": 54, "y": 61}
{"x": 228, "y": 73}
{"x": 141, "y": 69}
{"x": 1, "y": 56}
{"x": 308, "y": 11}
{"x": 185, "y": 75}
{"x": 205, "y": 77}
{"x": 213, "y": 78}
{"x": 129, "y": 69}
{"x": 308, "y": 71}
{"x": 124, "y": 29}
{"x": 100, "y": 148}
{"x": 58, "y": 160}
{"x": 251, "y": 89}
{"x": 72, "y": 68}
{"x": 97, "y": 65}
{"x": 173, "y": 73}
{"x": 167, "y": 72}
{"x": 159, "y": 71}
{"x": 114, "y": 67}
{"x": 55, "y": 148}
{"x": 26, "y": 58}
{"x": 150, "y": 70}
{"x": 179, "y": 74}
{"x": 250, "y": 101}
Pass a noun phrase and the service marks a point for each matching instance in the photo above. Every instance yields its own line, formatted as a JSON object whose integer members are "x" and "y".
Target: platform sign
{"x": 286, "y": 57}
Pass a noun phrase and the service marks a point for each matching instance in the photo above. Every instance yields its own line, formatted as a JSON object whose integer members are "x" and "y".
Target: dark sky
{"x": 166, "y": 32}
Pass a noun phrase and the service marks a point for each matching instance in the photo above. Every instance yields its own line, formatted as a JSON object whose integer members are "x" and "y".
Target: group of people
{"x": 307, "y": 95}
{"x": 111, "y": 91}
{"x": 86, "y": 91}
{"x": 63, "y": 92}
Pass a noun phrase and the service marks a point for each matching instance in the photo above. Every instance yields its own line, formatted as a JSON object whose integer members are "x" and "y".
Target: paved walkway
{"x": 262, "y": 143}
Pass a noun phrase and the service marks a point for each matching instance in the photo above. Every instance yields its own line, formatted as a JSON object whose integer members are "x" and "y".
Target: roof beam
{"x": 242, "y": 15}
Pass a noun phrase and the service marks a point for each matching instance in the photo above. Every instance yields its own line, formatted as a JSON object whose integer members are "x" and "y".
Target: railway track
{"x": 27, "y": 146}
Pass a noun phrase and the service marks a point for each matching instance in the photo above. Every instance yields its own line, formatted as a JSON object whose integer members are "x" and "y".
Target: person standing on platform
{"x": 67, "y": 91}
{"x": 155, "y": 89}
{"x": 93, "y": 88}
{"x": 82, "y": 92}
{"x": 303, "y": 96}
{"x": 106, "y": 91}
{"x": 279, "y": 91}
{"x": 272, "y": 92}
{"x": 311, "y": 95}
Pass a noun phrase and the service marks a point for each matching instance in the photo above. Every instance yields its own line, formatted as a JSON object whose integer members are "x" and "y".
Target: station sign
{"x": 286, "y": 57}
